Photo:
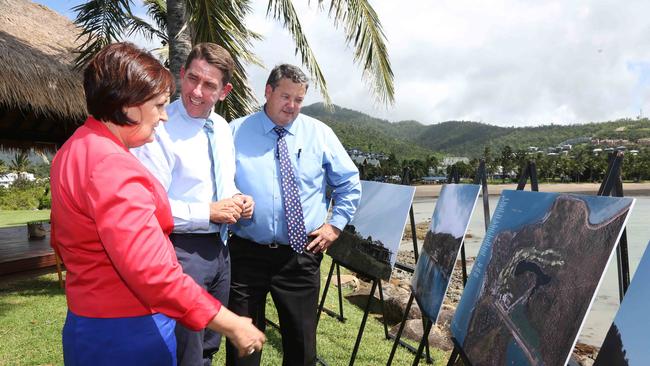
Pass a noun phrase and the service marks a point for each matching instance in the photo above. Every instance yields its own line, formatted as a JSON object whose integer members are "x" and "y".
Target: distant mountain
{"x": 358, "y": 130}
{"x": 413, "y": 139}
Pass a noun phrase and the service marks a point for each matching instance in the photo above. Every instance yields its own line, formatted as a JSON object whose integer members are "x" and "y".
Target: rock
{"x": 584, "y": 354}
{"x": 347, "y": 281}
{"x": 395, "y": 301}
{"x": 438, "y": 337}
{"x": 421, "y": 229}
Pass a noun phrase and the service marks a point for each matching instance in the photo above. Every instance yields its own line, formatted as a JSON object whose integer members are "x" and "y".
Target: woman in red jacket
{"x": 110, "y": 222}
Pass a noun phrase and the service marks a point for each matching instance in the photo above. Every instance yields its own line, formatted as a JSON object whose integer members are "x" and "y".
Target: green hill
{"x": 360, "y": 131}
{"x": 411, "y": 139}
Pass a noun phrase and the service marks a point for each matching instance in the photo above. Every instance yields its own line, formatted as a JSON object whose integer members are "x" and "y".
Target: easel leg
{"x": 453, "y": 357}
{"x": 363, "y": 322}
{"x": 400, "y": 330}
{"x": 338, "y": 277}
{"x": 383, "y": 312}
{"x": 425, "y": 340}
{"x": 327, "y": 286}
{"x": 414, "y": 234}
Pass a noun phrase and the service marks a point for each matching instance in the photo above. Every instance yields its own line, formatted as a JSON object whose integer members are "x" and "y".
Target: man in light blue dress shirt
{"x": 183, "y": 159}
{"x": 262, "y": 260}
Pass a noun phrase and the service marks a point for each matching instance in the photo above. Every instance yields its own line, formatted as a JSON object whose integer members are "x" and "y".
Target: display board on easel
{"x": 536, "y": 276}
{"x": 440, "y": 251}
{"x": 370, "y": 242}
{"x": 626, "y": 343}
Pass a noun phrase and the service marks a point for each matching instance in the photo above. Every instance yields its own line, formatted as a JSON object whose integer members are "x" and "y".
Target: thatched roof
{"x": 41, "y": 96}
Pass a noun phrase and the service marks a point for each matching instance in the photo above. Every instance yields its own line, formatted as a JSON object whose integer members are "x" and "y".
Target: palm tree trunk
{"x": 180, "y": 38}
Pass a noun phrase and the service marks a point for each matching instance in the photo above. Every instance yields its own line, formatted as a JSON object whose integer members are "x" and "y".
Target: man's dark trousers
{"x": 294, "y": 283}
{"x": 205, "y": 258}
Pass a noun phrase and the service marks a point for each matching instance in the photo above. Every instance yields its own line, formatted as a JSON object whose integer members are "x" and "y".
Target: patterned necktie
{"x": 208, "y": 127}
{"x": 292, "y": 206}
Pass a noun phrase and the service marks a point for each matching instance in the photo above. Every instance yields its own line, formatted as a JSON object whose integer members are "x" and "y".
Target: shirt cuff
{"x": 200, "y": 216}
{"x": 338, "y": 222}
{"x": 198, "y": 317}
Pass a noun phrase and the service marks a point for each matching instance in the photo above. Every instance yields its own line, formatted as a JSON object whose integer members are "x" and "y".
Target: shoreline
{"x": 629, "y": 189}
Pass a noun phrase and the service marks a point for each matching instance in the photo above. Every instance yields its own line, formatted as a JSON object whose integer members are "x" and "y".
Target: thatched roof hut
{"x": 41, "y": 96}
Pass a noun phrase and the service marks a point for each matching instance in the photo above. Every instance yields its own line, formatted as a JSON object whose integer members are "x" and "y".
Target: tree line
{"x": 577, "y": 165}
{"x": 24, "y": 194}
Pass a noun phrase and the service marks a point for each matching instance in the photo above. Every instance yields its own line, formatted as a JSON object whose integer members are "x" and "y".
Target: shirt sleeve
{"x": 343, "y": 176}
{"x": 121, "y": 199}
{"x": 159, "y": 160}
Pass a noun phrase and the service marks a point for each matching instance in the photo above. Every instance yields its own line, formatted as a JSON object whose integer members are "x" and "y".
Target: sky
{"x": 502, "y": 62}
{"x": 454, "y": 209}
{"x": 382, "y": 213}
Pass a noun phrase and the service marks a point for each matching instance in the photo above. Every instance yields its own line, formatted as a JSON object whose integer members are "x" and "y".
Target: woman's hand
{"x": 239, "y": 330}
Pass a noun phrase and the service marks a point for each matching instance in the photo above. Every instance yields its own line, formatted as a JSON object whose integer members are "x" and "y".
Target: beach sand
{"x": 629, "y": 189}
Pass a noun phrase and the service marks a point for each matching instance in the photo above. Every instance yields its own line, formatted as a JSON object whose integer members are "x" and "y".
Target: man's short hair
{"x": 214, "y": 55}
{"x": 286, "y": 71}
{"x": 123, "y": 75}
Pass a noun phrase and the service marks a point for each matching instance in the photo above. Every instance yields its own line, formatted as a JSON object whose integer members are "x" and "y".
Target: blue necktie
{"x": 217, "y": 189}
{"x": 292, "y": 206}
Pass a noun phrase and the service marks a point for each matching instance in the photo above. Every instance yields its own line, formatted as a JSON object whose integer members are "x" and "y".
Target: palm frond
{"x": 102, "y": 22}
{"x": 284, "y": 12}
{"x": 137, "y": 25}
{"x": 157, "y": 10}
{"x": 222, "y": 22}
{"x": 364, "y": 31}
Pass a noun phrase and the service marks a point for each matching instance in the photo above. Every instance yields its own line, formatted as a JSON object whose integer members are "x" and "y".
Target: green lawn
{"x": 32, "y": 313}
{"x": 20, "y": 217}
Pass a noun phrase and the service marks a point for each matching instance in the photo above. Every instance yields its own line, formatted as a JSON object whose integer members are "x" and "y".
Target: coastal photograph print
{"x": 536, "y": 275}
{"x": 441, "y": 246}
{"x": 369, "y": 243}
{"x": 627, "y": 342}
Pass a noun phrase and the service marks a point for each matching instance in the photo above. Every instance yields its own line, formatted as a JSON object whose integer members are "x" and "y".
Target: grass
{"x": 32, "y": 312}
{"x": 20, "y": 217}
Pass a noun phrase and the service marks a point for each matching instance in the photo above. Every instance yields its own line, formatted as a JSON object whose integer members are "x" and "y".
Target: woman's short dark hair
{"x": 123, "y": 75}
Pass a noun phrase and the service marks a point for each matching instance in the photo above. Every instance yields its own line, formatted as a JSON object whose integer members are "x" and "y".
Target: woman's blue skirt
{"x": 142, "y": 340}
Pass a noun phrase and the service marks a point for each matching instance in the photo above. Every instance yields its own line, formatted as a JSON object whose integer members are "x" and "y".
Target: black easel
{"x": 453, "y": 177}
{"x": 481, "y": 178}
{"x": 321, "y": 306}
{"x": 456, "y": 353}
{"x": 613, "y": 185}
{"x": 411, "y": 269}
{"x": 375, "y": 283}
{"x": 528, "y": 171}
{"x": 406, "y": 180}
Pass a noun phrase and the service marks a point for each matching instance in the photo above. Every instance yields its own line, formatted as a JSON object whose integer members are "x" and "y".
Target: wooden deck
{"x": 20, "y": 254}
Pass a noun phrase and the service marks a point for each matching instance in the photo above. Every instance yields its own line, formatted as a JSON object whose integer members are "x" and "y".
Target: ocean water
{"x": 606, "y": 303}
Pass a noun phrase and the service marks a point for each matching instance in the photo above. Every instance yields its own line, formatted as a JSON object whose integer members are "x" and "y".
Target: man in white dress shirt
{"x": 193, "y": 157}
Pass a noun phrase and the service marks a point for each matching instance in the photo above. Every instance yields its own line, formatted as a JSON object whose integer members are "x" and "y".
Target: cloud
{"x": 502, "y": 62}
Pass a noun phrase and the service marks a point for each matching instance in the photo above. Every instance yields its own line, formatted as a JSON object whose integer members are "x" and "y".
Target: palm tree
{"x": 181, "y": 23}
{"x": 20, "y": 162}
{"x": 3, "y": 167}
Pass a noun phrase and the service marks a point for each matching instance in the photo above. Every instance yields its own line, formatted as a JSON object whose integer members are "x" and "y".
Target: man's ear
{"x": 182, "y": 72}
{"x": 225, "y": 91}
{"x": 267, "y": 91}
